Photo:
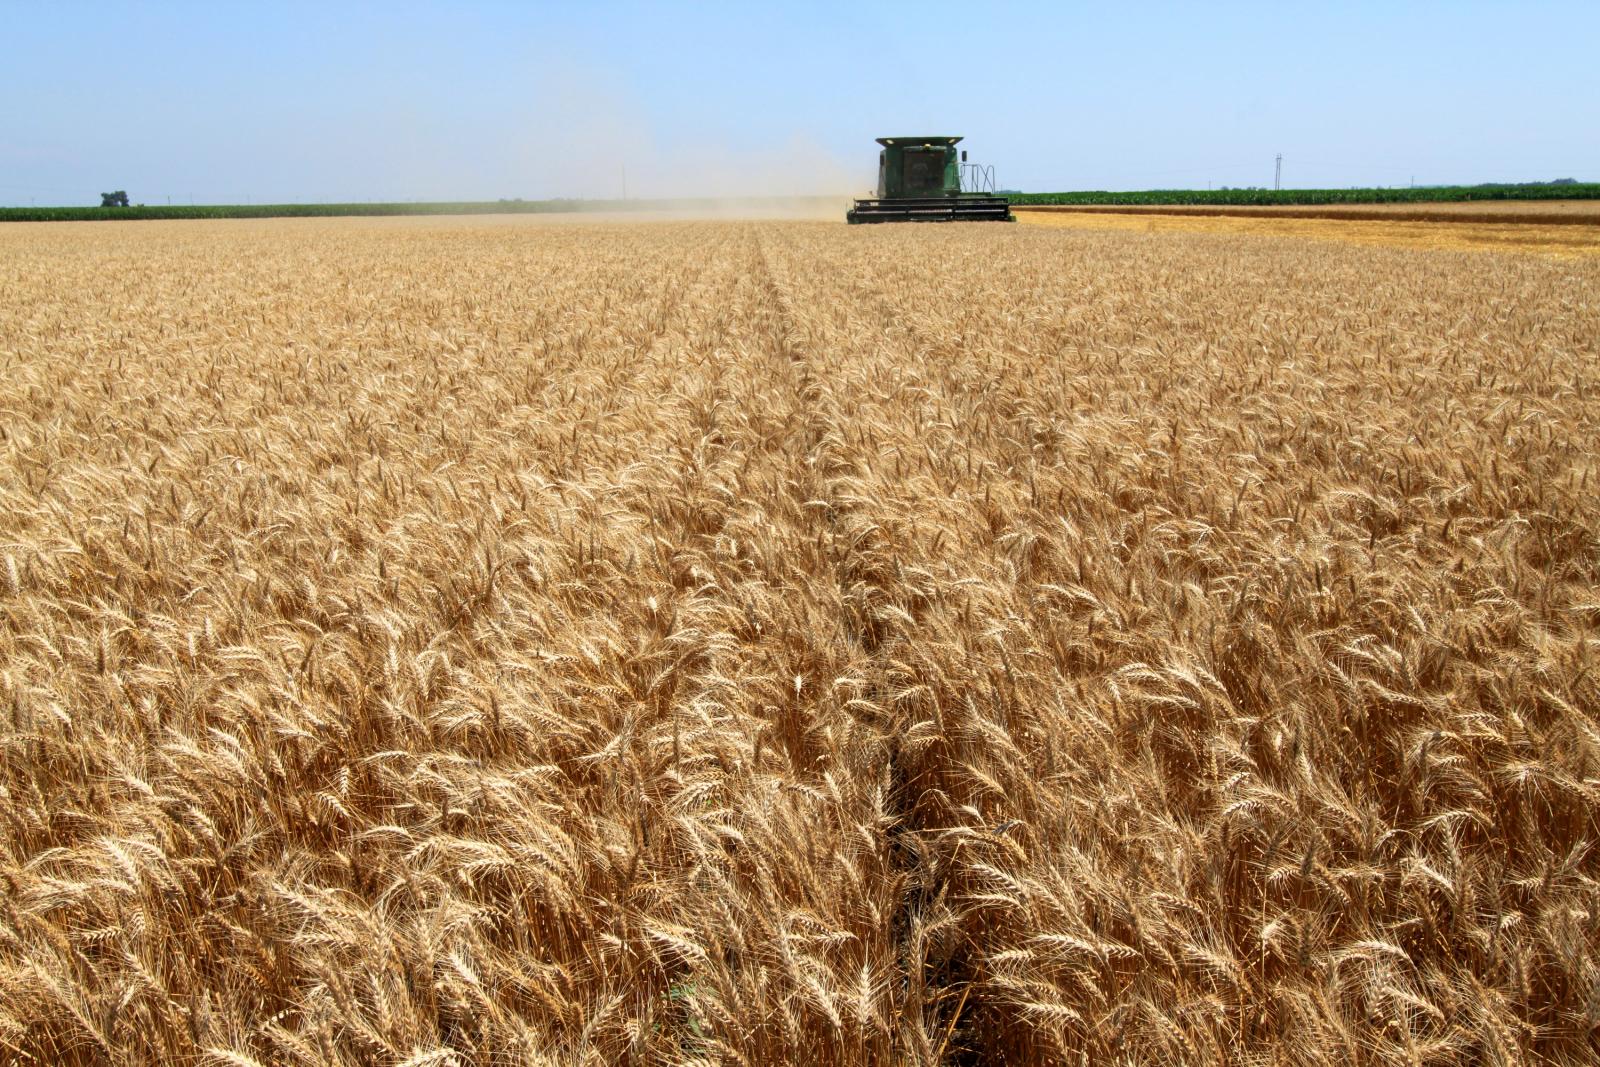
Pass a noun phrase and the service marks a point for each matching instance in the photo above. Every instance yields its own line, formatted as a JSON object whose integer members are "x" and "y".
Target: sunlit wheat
{"x": 440, "y": 642}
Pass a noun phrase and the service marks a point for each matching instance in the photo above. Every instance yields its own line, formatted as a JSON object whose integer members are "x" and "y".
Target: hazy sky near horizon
{"x": 226, "y": 103}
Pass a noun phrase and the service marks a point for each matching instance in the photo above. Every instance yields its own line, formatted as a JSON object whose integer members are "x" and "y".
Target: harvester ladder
{"x": 977, "y": 178}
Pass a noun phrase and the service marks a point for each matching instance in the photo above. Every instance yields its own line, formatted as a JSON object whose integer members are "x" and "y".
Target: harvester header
{"x": 925, "y": 179}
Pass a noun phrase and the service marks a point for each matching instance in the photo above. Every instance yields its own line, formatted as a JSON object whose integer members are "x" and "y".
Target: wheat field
{"x": 575, "y": 642}
{"x": 1468, "y": 227}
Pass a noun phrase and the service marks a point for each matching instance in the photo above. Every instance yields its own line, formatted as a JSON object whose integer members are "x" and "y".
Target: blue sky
{"x": 226, "y": 102}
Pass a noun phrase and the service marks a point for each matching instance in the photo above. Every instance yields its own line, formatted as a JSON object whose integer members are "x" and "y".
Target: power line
{"x": 44, "y": 189}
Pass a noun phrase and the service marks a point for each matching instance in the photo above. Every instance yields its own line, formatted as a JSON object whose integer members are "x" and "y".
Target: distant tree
{"x": 116, "y": 199}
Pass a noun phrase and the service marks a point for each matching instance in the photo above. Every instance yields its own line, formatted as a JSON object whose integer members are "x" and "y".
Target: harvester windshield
{"x": 924, "y": 171}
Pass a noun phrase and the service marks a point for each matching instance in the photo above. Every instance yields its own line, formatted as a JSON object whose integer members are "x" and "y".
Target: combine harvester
{"x": 920, "y": 180}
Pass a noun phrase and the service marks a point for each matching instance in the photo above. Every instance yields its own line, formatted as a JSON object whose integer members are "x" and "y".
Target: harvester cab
{"x": 920, "y": 180}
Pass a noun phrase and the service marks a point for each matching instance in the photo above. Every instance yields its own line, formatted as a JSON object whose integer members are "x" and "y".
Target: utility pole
{"x": 1277, "y": 177}
{"x": 624, "y": 181}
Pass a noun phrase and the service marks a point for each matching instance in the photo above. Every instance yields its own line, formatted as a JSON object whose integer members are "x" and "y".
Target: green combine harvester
{"x": 920, "y": 179}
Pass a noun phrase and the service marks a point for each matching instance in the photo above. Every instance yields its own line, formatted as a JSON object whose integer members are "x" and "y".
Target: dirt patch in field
{"x": 1464, "y": 231}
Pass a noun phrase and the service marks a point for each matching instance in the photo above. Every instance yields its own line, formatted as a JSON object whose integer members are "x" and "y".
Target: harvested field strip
{"x": 1458, "y": 235}
{"x": 445, "y": 642}
{"x": 1586, "y": 213}
{"x": 1509, "y": 195}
